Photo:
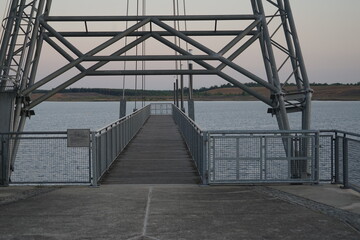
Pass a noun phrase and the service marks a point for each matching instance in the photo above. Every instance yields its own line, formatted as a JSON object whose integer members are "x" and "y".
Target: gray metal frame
{"x": 220, "y": 158}
{"x": 28, "y": 25}
{"x": 45, "y": 158}
{"x": 345, "y": 155}
{"x": 161, "y": 109}
{"x": 260, "y": 157}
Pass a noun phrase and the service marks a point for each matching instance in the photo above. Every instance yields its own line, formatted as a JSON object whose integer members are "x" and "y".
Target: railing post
{"x": 345, "y": 163}
{"x": 337, "y": 165}
{"x": 204, "y": 158}
{"x": 317, "y": 155}
{"x": 94, "y": 161}
{"x": 4, "y": 177}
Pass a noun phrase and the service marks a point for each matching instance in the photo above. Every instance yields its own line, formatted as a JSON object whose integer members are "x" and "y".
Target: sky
{"x": 328, "y": 30}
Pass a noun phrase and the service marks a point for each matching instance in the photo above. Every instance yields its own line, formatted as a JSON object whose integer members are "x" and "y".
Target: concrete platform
{"x": 166, "y": 212}
{"x": 329, "y": 194}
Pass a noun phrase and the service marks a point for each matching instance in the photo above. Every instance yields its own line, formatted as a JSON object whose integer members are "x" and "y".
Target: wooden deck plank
{"x": 157, "y": 155}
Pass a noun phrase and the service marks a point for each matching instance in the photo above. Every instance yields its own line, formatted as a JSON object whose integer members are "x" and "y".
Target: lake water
{"x": 54, "y": 162}
{"x": 209, "y": 115}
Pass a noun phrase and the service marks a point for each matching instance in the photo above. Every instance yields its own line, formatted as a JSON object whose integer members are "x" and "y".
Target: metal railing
{"x": 262, "y": 156}
{"x": 161, "y": 108}
{"x": 195, "y": 139}
{"x": 220, "y": 156}
{"x": 343, "y": 157}
{"x": 46, "y": 158}
{"x": 111, "y": 140}
{"x": 272, "y": 156}
{"x": 250, "y": 156}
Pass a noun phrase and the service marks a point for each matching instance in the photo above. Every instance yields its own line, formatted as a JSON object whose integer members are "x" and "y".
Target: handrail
{"x": 111, "y": 140}
{"x": 255, "y": 132}
{"x": 123, "y": 119}
{"x": 340, "y": 131}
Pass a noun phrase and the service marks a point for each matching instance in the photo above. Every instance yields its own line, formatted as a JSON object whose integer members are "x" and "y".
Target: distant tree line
{"x": 254, "y": 84}
{"x": 115, "y": 92}
{"x": 200, "y": 91}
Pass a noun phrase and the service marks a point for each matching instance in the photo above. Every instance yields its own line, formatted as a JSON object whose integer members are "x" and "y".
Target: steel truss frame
{"x": 28, "y": 25}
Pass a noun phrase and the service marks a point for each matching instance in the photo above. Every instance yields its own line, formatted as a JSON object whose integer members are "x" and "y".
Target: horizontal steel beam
{"x": 141, "y": 18}
{"x": 80, "y": 59}
{"x": 161, "y": 33}
{"x": 150, "y": 72}
{"x": 151, "y": 58}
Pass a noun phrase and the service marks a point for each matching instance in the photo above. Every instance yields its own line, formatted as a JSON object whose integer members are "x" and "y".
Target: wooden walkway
{"x": 157, "y": 155}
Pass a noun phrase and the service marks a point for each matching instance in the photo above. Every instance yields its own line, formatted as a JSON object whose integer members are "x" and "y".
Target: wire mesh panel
{"x": 161, "y": 108}
{"x": 277, "y": 164}
{"x": 326, "y": 158}
{"x": 354, "y": 162}
{"x": 290, "y": 158}
{"x": 263, "y": 158}
{"x": 250, "y": 162}
{"x": 340, "y": 157}
{"x": 223, "y": 159}
{"x": 235, "y": 159}
{"x": 48, "y": 159}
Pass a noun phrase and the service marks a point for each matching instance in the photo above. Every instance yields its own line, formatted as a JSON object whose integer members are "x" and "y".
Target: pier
{"x": 149, "y": 183}
{"x": 157, "y": 155}
{"x": 155, "y": 174}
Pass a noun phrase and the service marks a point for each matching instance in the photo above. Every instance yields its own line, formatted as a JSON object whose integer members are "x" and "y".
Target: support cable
{"x": 175, "y": 38}
{"x": 143, "y": 53}
{"x": 136, "y": 62}
{"x": 126, "y": 41}
{"x": 185, "y": 25}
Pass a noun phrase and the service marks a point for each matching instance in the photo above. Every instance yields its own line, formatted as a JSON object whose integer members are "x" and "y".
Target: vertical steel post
{"x": 306, "y": 119}
{"x": 337, "y": 163}
{"x": 7, "y": 42}
{"x": 122, "y": 108}
{"x": 19, "y": 117}
{"x": 281, "y": 113}
{"x": 174, "y": 93}
{"x": 191, "y": 107}
{"x": 204, "y": 158}
{"x": 94, "y": 162}
{"x": 182, "y": 92}
{"x": 317, "y": 157}
{"x": 177, "y": 92}
{"x": 7, "y": 31}
{"x": 345, "y": 163}
{"x": 4, "y": 161}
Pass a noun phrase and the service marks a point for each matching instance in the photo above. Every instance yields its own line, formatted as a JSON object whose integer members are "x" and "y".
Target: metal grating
{"x": 326, "y": 158}
{"x": 354, "y": 162}
{"x": 264, "y": 158}
{"x": 47, "y": 159}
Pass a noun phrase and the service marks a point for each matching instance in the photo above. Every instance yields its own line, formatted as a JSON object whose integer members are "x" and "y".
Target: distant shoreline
{"x": 321, "y": 93}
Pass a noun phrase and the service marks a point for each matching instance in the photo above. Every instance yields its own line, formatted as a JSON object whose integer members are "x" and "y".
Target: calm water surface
{"x": 214, "y": 115}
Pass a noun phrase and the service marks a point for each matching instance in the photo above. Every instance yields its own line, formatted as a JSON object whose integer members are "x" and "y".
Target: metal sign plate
{"x": 78, "y": 137}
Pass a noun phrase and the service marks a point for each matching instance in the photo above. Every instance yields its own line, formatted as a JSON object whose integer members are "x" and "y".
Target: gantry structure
{"x": 29, "y": 25}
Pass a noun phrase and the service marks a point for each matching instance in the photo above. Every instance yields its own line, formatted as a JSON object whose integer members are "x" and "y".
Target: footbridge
{"x": 160, "y": 144}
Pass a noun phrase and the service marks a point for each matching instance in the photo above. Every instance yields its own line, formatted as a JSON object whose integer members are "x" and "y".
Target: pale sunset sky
{"x": 329, "y": 32}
